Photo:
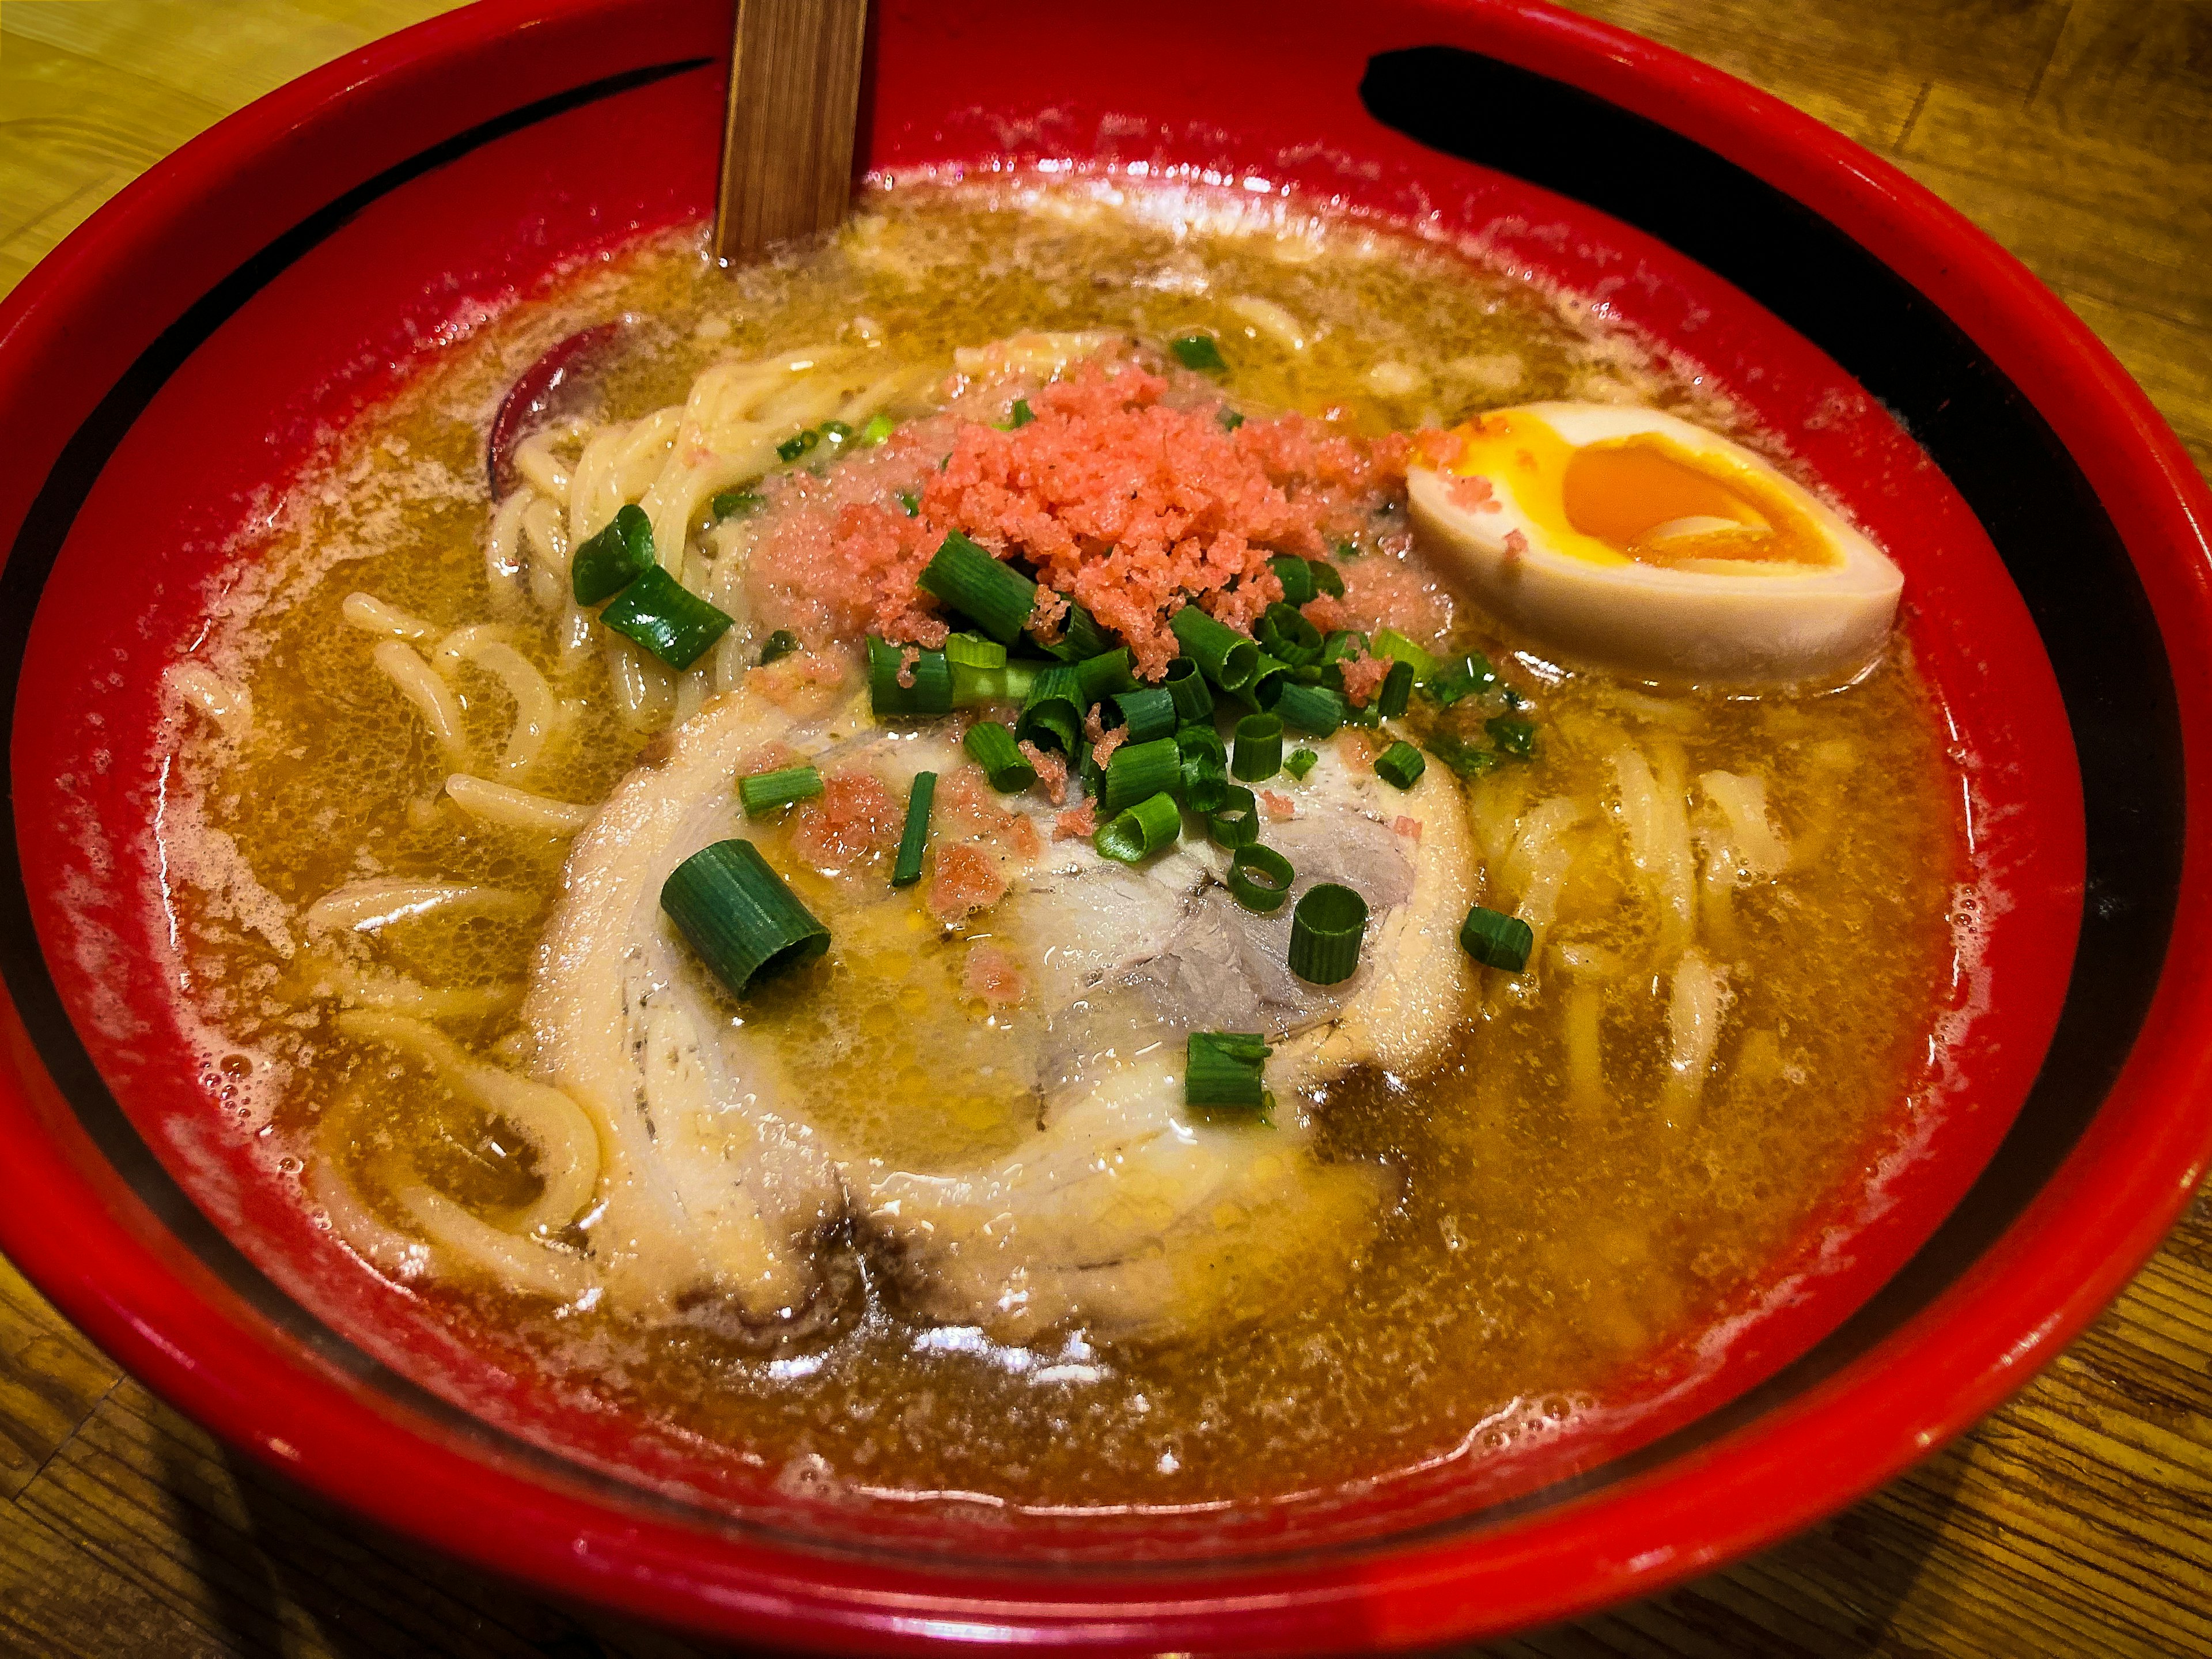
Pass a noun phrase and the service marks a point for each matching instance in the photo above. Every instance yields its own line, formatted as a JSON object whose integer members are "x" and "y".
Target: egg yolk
{"x": 1654, "y": 502}
{"x": 1645, "y": 499}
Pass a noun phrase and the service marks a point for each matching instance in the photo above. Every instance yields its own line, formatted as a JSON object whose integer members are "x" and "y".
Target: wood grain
{"x": 2076, "y": 1521}
{"x": 787, "y": 149}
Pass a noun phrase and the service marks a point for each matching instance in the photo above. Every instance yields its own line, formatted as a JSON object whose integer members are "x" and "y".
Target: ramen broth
{"x": 1547, "y": 1218}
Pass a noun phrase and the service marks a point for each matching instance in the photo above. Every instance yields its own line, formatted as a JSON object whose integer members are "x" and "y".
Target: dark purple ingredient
{"x": 555, "y": 385}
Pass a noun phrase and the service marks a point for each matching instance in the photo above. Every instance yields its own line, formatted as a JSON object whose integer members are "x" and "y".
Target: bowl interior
{"x": 2022, "y": 611}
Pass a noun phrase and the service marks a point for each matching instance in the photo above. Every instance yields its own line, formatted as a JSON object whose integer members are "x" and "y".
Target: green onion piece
{"x": 1103, "y": 675}
{"x": 1401, "y": 765}
{"x": 1311, "y": 709}
{"x": 836, "y": 431}
{"x": 735, "y": 911}
{"x": 1344, "y": 645}
{"x": 732, "y": 502}
{"x": 879, "y": 427}
{"x": 997, "y": 597}
{"x": 1148, "y": 712}
{"x": 797, "y": 444}
{"x": 1234, "y": 820}
{"x": 1397, "y": 691}
{"x": 1052, "y": 715}
{"x": 1368, "y": 714}
{"x": 779, "y": 645}
{"x": 1259, "y": 748}
{"x": 1298, "y": 762}
{"x": 1469, "y": 677}
{"x": 613, "y": 559}
{"x": 1517, "y": 737}
{"x": 1229, "y": 659}
{"x": 993, "y": 748}
{"x": 1389, "y": 642}
{"x": 1140, "y": 831}
{"x": 1260, "y": 877}
{"x": 1297, "y": 577}
{"x": 1205, "y": 785}
{"x": 1269, "y": 676}
{"x": 666, "y": 619}
{"x": 930, "y": 692}
{"x": 1138, "y": 771}
{"x": 1462, "y": 757}
{"x": 1224, "y": 1069}
{"x": 764, "y": 791}
{"x": 1326, "y": 578}
{"x": 1187, "y": 686}
{"x": 974, "y": 651}
{"x": 1198, "y": 351}
{"x": 1081, "y": 638}
{"x": 1229, "y": 418}
{"x": 915, "y": 838}
{"x": 1020, "y": 415}
{"x": 1202, "y": 739}
{"x": 1496, "y": 940}
{"x": 911, "y": 500}
{"x": 1325, "y": 933}
{"x": 1008, "y": 682}
{"x": 1288, "y": 635}
{"x": 1347, "y": 549}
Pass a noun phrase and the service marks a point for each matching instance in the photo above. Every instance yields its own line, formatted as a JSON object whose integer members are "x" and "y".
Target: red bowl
{"x": 182, "y": 355}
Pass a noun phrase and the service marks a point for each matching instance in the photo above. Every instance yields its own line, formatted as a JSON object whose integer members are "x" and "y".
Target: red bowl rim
{"x": 2092, "y": 1225}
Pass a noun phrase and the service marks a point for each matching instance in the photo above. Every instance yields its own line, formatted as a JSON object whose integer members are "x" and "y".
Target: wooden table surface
{"x": 2076, "y": 1521}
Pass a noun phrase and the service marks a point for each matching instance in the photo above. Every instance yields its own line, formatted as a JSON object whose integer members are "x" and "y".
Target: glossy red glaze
{"x": 419, "y": 267}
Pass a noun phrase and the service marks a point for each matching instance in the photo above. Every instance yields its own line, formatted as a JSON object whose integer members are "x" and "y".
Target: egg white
{"x": 1724, "y": 621}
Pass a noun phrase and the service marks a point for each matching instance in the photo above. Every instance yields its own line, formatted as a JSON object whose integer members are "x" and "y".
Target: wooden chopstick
{"x": 788, "y": 130}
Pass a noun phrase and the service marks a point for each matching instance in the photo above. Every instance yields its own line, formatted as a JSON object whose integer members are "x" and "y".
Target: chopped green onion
{"x": 1496, "y": 940}
{"x": 1325, "y": 576}
{"x": 1187, "y": 686}
{"x": 930, "y": 690}
{"x": 974, "y": 651}
{"x": 797, "y": 444}
{"x": 1260, "y": 877}
{"x": 613, "y": 559}
{"x": 1205, "y": 767}
{"x": 1202, "y": 739}
{"x": 1286, "y": 635}
{"x": 1020, "y": 415}
{"x": 1105, "y": 674}
{"x": 1295, "y": 575}
{"x": 1401, "y": 765}
{"x": 1470, "y": 676}
{"x": 732, "y": 502}
{"x": 915, "y": 838}
{"x": 991, "y": 591}
{"x": 1347, "y": 549}
{"x": 1311, "y": 709}
{"x": 1366, "y": 715}
{"x": 1081, "y": 638}
{"x": 1138, "y": 771}
{"x": 1229, "y": 418}
{"x": 1462, "y": 757}
{"x": 1148, "y": 712}
{"x": 763, "y": 792}
{"x": 1140, "y": 831}
{"x": 1517, "y": 737}
{"x": 1325, "y": 933}
{"x": 1224, "y": 1069}
{"x": 1229, "y": 659}
{"x": 1259, "y": 748}
{"x": 1343, "y": 645}
{"x": 1298, "y": 762}
{"x": 1008, "y": 682}
{"x": 1198, "y": 351}
{"x": 1235, "y": 822}
{"x": 735, "y": 911}
{"x": 911, "y": 500}
{"x": 778, "y": 646}
{"x": 1052, "y": 714}
{"x": 836, "y": 431}
{"x": 1269, "y": 676}
{"x": 1397, "y": 691}
{"x": 879, "y": 427}
{"x": 1389, "y": 642}
{"x": 993, "y": 748}
{"x": 657, "y": 612}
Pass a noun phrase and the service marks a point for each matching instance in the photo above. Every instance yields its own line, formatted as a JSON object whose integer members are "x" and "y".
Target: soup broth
{"x": 1604, "y": 1156}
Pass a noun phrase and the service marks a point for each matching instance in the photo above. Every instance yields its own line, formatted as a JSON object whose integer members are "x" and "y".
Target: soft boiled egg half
{"x": 1637, "y": 542}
